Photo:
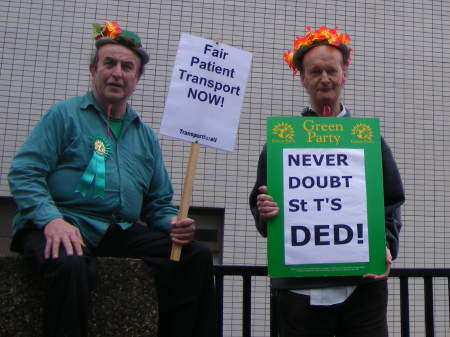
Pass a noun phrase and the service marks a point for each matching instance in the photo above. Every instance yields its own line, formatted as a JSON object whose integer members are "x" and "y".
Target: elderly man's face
{"x": 324, "y": 75}
{"x": 115, "y": 75}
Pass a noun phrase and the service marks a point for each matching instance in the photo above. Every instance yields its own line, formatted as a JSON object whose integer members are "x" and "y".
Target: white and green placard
{"x": 326, "y": 176}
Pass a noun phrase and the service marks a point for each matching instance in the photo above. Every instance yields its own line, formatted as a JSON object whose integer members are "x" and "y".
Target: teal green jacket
{"x": 47, "y": 168}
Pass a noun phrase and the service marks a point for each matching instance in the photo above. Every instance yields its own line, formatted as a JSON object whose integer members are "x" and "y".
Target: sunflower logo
{"x": 284, "y": 131}
{"x": 363, "y": 132}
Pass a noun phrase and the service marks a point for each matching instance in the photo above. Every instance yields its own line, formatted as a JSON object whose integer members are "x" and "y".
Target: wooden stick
{"x": 186, "y": 195}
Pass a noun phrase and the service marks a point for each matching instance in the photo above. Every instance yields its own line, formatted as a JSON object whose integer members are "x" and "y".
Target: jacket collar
{"x": 89, "y": 101}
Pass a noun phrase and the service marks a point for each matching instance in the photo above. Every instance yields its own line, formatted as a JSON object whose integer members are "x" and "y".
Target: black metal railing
{"x": 427, "y": 275}
{"x": 247, "y": 272}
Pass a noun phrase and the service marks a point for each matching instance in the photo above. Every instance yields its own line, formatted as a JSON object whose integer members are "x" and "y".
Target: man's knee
{"x": 200, "y": 250}
{"x": 71, "y": 267}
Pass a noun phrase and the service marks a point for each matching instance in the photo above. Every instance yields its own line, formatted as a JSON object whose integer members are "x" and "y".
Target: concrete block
{"x": 124, "y": 302}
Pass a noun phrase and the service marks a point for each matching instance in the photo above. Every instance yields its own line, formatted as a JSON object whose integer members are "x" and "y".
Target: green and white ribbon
{"x": 96, "y": 170}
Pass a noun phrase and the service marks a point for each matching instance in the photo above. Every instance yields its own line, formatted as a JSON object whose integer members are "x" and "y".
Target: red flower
{"x": 112, "y": 29}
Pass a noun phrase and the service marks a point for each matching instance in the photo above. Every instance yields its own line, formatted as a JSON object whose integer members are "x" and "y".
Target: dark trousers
{"x": 185, "y": 288}
{"x": 363, "y": 314}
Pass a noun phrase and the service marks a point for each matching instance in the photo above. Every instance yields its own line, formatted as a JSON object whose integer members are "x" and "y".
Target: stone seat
{"x": 124, "y": 303}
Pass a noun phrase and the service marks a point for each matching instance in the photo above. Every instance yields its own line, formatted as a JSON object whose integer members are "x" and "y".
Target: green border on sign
{"x": 353, "y": 133}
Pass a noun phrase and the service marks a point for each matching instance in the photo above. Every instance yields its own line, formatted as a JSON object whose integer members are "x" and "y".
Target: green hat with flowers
{"x": 110, "y": 32}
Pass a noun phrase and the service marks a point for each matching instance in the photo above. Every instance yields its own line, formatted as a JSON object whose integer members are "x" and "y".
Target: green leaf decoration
{"x": 98, "y": 30}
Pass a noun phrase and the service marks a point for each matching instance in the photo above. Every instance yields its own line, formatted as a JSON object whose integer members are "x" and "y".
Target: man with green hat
{"x": 87, "y": 176}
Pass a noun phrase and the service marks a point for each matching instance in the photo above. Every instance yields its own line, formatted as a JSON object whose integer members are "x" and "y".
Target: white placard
{"x": 325, "y": 208}
{"x": 206, "y": 92}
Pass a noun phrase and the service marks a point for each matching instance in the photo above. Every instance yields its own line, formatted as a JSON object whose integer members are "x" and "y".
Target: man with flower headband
{"x": 87, "y": 176}
{"x": 330, "y": 306}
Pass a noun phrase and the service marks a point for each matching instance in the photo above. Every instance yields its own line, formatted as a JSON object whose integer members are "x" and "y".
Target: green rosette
{"x": 96, "y": 170}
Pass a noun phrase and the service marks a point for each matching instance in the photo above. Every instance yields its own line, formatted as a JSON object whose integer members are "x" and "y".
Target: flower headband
{"x": 322, "y": 35}
{"x": 110, "y": 32}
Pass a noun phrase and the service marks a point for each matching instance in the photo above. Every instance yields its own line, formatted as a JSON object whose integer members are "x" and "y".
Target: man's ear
{"x": 345, "y": 70}
{"x": 92, "y": 69}
{"x": 138, "y": 71}
{"x": 302, "y": 79}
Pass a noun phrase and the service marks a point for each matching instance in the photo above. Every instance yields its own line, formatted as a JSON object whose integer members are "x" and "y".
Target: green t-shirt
{"x": 116, "y": 125}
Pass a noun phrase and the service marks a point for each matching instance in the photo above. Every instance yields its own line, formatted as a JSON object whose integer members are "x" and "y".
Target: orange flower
{"x": 112, "y": 29}
{"x": 321, "y": 34}
{"x": 289, "y": 59}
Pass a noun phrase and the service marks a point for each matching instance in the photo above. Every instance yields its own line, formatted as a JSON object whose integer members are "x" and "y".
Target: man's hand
{"x": 388, "y": 268}
{"x": 59, "y": 232}
{"x": 267, "y": 208}
{"x": 182, "y": 231}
